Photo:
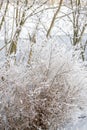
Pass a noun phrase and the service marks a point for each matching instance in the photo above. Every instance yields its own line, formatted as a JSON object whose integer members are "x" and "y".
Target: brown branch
{"x": 3, "y": 18}
{"x": 54, "y": 17}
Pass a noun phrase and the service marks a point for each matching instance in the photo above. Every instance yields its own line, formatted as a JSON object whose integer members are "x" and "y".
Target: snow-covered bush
{"x": 45, "y": 95}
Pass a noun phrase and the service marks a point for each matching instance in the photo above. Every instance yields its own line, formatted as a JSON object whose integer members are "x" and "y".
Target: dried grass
{"x": 32, "y": 99}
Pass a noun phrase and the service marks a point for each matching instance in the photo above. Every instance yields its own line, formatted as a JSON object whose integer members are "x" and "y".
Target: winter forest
{"x": 43, "y": 64}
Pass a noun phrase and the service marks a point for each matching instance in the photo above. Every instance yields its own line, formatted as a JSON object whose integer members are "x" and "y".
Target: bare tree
{"x": 79, "y": 25}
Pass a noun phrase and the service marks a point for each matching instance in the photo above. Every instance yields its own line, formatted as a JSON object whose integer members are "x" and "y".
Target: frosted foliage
{"x": 45, "y": 95}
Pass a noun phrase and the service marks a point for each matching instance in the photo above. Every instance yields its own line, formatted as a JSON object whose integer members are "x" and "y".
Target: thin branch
{"x": 54, "y": 17}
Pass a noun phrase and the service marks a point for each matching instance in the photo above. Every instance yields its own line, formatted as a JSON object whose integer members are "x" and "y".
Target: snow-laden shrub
{"x": 45, "y": 95}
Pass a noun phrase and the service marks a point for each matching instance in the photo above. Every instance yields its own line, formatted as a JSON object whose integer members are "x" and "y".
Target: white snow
{"x": 60, "y": 37}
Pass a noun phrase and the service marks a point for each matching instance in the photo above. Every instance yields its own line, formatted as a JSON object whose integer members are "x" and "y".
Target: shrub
{"x": 46, "y": 95}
